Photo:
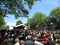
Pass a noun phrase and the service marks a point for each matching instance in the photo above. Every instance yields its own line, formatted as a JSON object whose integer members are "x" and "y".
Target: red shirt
{"x": 46, "y": 39}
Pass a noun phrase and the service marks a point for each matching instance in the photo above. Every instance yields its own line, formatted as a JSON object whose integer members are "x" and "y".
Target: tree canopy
{"x": 37, "y": 21}
{"x": 15, "y": 7}
{"x": 19, "y": 22}
{"x": 55, "y": 16}
{"x": 2, "y": 22}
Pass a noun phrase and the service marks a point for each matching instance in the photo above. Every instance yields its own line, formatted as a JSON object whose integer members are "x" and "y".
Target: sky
{"x": 44, "y": 6}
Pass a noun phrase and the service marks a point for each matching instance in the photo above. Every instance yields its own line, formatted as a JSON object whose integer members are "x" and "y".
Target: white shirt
{"x": 17, "y": 43}
{"x": 38, "y": 43}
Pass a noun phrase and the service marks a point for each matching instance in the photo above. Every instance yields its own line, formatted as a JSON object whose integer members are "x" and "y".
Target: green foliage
{"x": 37, "y": 21}
{"x": 55, "y": 16}
{"x": 39, "y": 17}
{"x": 55, "y": 12}
{"x": 19, "y": 22}
{"x": 40, "y": 20}
{"x": 28, "y": 23}
{"x": 2, "y": 22}
{"x": 15, "y": 7}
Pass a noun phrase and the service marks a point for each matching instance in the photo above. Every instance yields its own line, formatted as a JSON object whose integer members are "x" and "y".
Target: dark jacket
{"x": 29, "y": 42}
{"x": 50, "y": 42}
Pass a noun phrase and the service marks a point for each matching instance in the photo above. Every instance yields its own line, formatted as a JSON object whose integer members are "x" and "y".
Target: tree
{"x": 55, "y": 17}
{"x": 15, "y": 7}
{"x": 37, "y": 21}
{"x": 31, "y": 23}
{"x": 50, "y": 23}
{"x": 19, "y": 22}
{"x": 28, "y": 23}
{"x": 2, "y": 22}
{"x": 40, "y": 19}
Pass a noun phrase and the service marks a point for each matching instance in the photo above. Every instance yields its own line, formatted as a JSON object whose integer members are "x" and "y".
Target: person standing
{"x": 50, "y": 42}
{"x": 5, "y": 42}
{"x": 17, "y": 41}
{"x": 29, "y": 41}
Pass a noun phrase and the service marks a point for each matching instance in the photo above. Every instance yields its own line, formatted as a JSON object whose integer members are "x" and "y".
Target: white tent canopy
{"x": 25, "y": 27}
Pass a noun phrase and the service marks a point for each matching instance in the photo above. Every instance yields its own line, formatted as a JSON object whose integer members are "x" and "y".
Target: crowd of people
{"x": 36, "y": 37}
